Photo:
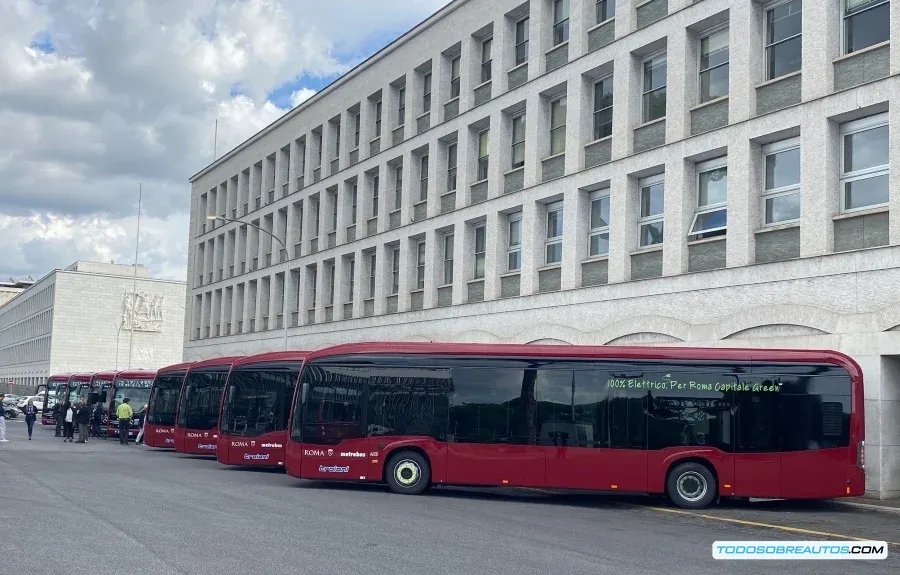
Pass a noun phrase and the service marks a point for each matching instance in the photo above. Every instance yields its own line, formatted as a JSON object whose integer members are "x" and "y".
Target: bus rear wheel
{"x": 408, "y": 473}
{"x": 691, "y": 486}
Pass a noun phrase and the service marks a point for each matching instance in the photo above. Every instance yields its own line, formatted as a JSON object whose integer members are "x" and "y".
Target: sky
{"x": 99, "y": 97}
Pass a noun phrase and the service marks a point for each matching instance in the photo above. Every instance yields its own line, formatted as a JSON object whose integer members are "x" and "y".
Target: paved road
{"x": 173, "y": 514}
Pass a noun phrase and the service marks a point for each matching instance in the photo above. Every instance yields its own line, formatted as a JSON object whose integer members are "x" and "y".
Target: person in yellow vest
{"x": 124, "y": 414}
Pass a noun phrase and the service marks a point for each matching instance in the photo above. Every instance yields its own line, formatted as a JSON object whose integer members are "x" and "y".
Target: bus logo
{"x": 314, "y": 453}
{"x": 252, "y": 444}
{"x": 330, "y": 452}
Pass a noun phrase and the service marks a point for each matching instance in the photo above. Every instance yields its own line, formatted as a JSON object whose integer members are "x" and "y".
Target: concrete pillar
{"x": 821, "y": 45}
{"x": 625, "y": 17}
{"x": 581, "y": 17}
{"x": 894, "y": 166}
{"x": 540, "y": 25}
{"x": 341, "y": 286}
{"x": 626, "y": 101}
{"x": 407, "y": 267}
{"x": 322, "y": 285}
{"x": 492, "y": 267}
{"x": 499, "y": 152}
{"x": 433, "y": 264}
{"x": 681, "y": 90}
{"x": 819, "y": 172}
{"x": 460, "y": 280}
{"x": 579, "y": 97}
{"x": 469, "y": 72}
{"x": 410, "y": 188}
{"x": 434, "y": 200}
{"x": 571, "y": 263}
{"x": 360, "y": 282}
{"x": 744, "y": 186}
{"x": 532, "y": 246}
{"x": 745, "y": 49}
{"x": 382, "y": 279}
{"x": 680, "y": 204}
{"x": 503, "y": 55}
{"x": 537, "y": 138}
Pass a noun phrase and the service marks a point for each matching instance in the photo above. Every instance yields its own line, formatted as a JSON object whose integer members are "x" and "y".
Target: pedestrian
{"x": 143, "y": 425}
{"x": 124, "y": 414}
{"x": 82, "y": 418}
{"x": 96, "y": 420}
{"x": 2, "y": 420}
{"x": 68, "y": 422}
{"x": 58, "y": 415}
{"x": 30, "y": 416}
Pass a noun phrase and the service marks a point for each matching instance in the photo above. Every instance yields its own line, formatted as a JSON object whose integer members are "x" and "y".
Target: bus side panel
{"x": 266, "y": 450}
{"x": 596, "y": 468}
{"x": 223, "y": 449}
{"x": 348, "y": 460}
{"x": 159, "y": 436}
{"x": 496, "y": 464}
{"x": 659, "y": 462}
{"x": 814, "y": 474}
{"x": 179, "y": 439}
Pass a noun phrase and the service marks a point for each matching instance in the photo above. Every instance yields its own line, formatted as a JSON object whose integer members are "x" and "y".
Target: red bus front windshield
{"x": 201, "y": 398}
{"x": 258, "y": 399}
{"x": 136, "y": 390}
{"x": 164, "y": 401}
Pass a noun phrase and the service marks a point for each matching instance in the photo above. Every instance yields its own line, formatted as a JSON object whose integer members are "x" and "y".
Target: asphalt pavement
{"x": 83, "y": 509}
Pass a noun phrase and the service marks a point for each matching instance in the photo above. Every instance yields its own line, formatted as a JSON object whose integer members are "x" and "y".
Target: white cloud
{"x": 131, "y": 93}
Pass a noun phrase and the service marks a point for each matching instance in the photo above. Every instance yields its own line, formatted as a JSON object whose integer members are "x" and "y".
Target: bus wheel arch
{"x": 407, "y": 470}
{"x": 692, "y": 483}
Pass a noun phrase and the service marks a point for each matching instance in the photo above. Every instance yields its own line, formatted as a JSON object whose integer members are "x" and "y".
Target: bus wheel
{"x": 691, "y": 486}
{"x": 408, "y": 473}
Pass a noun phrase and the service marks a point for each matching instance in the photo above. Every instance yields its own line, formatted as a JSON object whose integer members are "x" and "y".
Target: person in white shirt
{"x": 3, "y": 420}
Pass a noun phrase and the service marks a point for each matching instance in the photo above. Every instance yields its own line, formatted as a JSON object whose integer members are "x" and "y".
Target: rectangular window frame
{"x": 420, "y": 265}
{"x": 448, "y": 240}
{"x": 557, "y": 104}
{"x": 605, "y": 11}
{"x": 357, "y": 118}
{"x": 401, "y": 106}
{"x": 376, "y": 183}
{"x": 513, "y": 248}
{"x": 395, "y": 271}
{"x": 845, "y": 18}
{"x": 704, "y": 35}
{"x": 455, "y": 65}
{"x": 783, "y": 191}
{"x": 645, "y": 92}
{"x": 423, "y": 178}
{"x": 378, "y": 110}
{"x": 334, "y": 212}
{"x": 487, "y": 49}
{"x": 337, "y": 140}
{"x": 653, "y": 218}
{"x": 856, "y": 127}
{"x": 452, "y": 149}
{"x": 699, "y": 210}
{"x": 553, "y": 208}
{"x": 354, "y": 199}
{"x": 520, "y": 143}
{"x": 520, "y": 53}
{"x": 598, "y": 133}
{"x": 350, "y": 280}
{"x": 480, "y": 232}
{"x": 766, "y": 46}
{"x": 561, "y": 14}
{"x": 315, "y": 281}
{"x": 332, "y": 271}
{"x": 373, "y": 260}
{"x": 426, "y": 92}
{"x": 483, "y": 162}
{"x": 598, "y": 196}
{"x": 398, "y": 187}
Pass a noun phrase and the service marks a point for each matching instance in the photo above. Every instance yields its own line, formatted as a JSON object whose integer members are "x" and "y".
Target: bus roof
{"x": 215, "y": 362}
{"x": 590, "y": 351}
{"x": 86, "y": 377}
{"x": 176, "y": 367}
{"x": 106, "y": 375}
{"x": 137, "y": 374}
{"x": 272, "y": 356}
{"x": 61, "y": 377}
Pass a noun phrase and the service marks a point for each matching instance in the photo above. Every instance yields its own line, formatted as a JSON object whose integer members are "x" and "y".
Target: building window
{"x": 334, "y": 211}
{"x": 518, "y": 141}
{"x": 351, "y": 279}
{"x": 483, "y": 155}
{"x": 454, "y": 77}
{"x": 315, "y": 285}
{"x": 480, "y": 250}
{"x": 398, "y": 187}
{"x": 395, "y": 271}
{"x": 337, "y": 140}
{"x": 426, "y": 92}
{"x": 486, "y": 60}
{"x": 423, "y": 178}
{"x": 376, "y": 181}
{"x": 514, "y": 243}
{"x": 866, "y": 23}
{"x": 598, "y": 236}
{"x": 318, "y": 138}
{"x": 356, "y": 126}
{"x": 401, "y": 106}
{"x": 331, "y": 273}
{"x": 606, "y": 9}
{"x": 378, "y": 119}
{"x": 451, "y": 167}
{"x": 553, "y": 243}
{"x": 714, "y": 65}
{"x": 650, "y": 222}
{"x": 522, "y": 35}
{"x": 864, "y": 173}
{"x": 784, "y": 27}
{"x": 354, "y": 196}
{"x": 448, "y": 259}
{"x": 603, "y": 108}
{"x": 711, "y": 217}
{"x": 372, "y": 269}
{"x": 420, "y": 265}
{"x": 560, "y": 21}
{"x": 781, "y": 192}
{"x": 654, "y": 90}
{"x": 558, "y": 126}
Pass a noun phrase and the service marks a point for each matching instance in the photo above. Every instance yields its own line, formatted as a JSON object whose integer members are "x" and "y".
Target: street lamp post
{"x": 287, "y": 261}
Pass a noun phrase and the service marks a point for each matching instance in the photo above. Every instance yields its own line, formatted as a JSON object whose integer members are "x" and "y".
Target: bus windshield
{"x": 164, "y": 401}
{"x": 199, "y": 405}
{"x": 258, "y": 400}
{"x": 136, "y": 390}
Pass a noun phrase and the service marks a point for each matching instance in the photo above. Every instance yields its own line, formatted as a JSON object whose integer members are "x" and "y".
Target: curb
{"x": 870, "y": 507}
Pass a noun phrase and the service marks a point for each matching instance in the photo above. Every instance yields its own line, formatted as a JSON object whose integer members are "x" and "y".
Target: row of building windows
{"x": 25, "y": 305}
{"x": 26, "y": 352}
{"x": 864, "y": 186}
{"x": 34, "y": 326}
{"x": 29, "y": 381}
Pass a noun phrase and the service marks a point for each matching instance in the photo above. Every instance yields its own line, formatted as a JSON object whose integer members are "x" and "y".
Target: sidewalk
{"x": 881, "y": 505}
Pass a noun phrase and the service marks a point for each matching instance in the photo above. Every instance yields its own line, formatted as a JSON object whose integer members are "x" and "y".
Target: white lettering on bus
{"x": 334, "y": 469}
{"x": 211, "y": 446}
{"x": 313, "y": 453}
{"x": 356, "y": 454}
{"x": 239, "y": 444}
{"x": 272, "y": 445}
{"x": 256, "y": 456}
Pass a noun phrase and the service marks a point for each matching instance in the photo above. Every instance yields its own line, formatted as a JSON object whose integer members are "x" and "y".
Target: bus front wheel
{"x": 691, "y": 486}
{"x": 408, "y": 473}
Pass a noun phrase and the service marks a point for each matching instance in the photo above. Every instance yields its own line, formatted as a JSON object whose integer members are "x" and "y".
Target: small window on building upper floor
{"x": 448, "y": 259}
{"x": 711, "y": 217}
{"x": 423, "y": 178}
{"x": 354, "y": 196}
{"x": 376, "y": 183}
{"x": 454, "y": 77}
{"x": 451, "y": 166}
{"x": 514, "y": 242}
{"x": 598, "y": 225}
{"x": 398, "y": 187}
{"x": 401, "y": 106}
{"x": 651, "y": 216}
{"x": 560, "y": 21}
{"x": 395, "y": 271}
{"x": 483, "y": 157}
{"x": 480, "y": 251}
{"x": 784, "y": 40}
{"x": 603, "y": 108}
{"x": 518, "y": 141}
{"x": 714, "y": 65}
{"x": 864, "y": 171}
{"x": 486, "y": 59}
{"x": 372, "y": 273}
{"x": 426, "y": 92}
{"x": 420, "y": 265}
{"x": 522, "y": 35}
{"x": 356, "y": 128}
{"x": 781, "y": 188}
{"x": 866, "y": 23}
{"x": 606, "y": 9}
{"x": 654, "y": 87}
{"x": 378, "y": 119}
{"x": 558, "y": 126}
{"x": 553, "y": 243}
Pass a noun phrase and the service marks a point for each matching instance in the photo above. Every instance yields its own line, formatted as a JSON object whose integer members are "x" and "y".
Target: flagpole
{"x": 137, "y": 243}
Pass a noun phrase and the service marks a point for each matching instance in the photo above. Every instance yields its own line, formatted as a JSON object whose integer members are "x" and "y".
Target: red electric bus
{"x": 50, "y": 392}
{"x": 133, "y": 384}
{"x": 254, "y": 419}
{"x": 78, "y": 385}
{"x": 695, "y": 424}
{"x": 159, "y": 431}
{"x": 197, "y": 417}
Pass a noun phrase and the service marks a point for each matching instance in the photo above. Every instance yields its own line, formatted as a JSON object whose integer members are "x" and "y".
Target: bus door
{"x": 757, "y": 458}
{"x": 43, "y": 391}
